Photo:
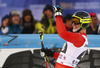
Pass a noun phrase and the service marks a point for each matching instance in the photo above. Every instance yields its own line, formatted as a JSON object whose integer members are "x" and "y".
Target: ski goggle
{"x": 83, "y": 22}
{"x": 76, "y": 21}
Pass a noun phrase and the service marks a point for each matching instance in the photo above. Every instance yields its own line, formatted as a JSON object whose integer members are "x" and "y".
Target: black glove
{"x": 48, "y": 52}
{"x": 58, "y": 10}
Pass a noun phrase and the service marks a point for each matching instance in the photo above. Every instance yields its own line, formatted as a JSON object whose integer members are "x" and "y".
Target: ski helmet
{"x": 82, "y": 18}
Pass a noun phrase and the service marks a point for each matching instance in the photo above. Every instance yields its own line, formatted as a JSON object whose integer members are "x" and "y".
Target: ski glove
{"x": 58, "y": 10}
{"x": 48, "y": 52}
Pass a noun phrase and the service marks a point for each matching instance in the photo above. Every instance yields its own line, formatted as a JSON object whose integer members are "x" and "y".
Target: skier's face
{"x": 76, "y": 27}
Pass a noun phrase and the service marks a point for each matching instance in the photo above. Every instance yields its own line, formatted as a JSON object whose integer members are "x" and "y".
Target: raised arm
{"x": 75, "y": 38}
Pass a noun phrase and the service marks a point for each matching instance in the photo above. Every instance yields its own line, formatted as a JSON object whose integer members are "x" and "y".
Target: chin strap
{"x": 76, "y": 30}
{"x": 79, "y": 30}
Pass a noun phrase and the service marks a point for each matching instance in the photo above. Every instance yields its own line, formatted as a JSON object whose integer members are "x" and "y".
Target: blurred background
{"x": 37, "y": 8}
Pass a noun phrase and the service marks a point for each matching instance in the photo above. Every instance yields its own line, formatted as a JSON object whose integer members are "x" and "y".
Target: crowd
{"x": 14, "y": 24}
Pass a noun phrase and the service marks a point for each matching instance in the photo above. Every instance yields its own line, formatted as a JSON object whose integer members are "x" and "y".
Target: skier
{"x": 76, "y": 43}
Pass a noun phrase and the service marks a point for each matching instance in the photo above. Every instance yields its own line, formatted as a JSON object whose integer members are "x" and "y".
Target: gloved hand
{"x": 58, "y": 10}
{"x": 47, "y": 52}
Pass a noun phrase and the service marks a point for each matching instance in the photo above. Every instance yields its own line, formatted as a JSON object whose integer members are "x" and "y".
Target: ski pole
{"x": 46, "y": 57}
{"x": 41, "y": 37}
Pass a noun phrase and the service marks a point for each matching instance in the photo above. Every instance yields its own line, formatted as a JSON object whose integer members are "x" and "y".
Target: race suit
{"x": 74, "y": 48}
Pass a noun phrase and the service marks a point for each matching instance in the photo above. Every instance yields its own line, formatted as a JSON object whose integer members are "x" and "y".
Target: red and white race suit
{"x": 73, "y": 50}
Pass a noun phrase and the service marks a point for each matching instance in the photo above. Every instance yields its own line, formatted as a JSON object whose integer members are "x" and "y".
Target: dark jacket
{"x": 28, "y": 27}
{"x": 14, "y": 29}
{"x": 90, "y": 31}
{"x": 0, "y": 31}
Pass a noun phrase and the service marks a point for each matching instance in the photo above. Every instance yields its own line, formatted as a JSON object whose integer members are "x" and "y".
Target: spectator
{"x": 47, "y": 21}
{"x": 14, "y": 24}
{"x": 93, "y": 28}
{"x": 68, "y": 21}
{"x": 4, "y": 27}
{"x": 28, "y": 22}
